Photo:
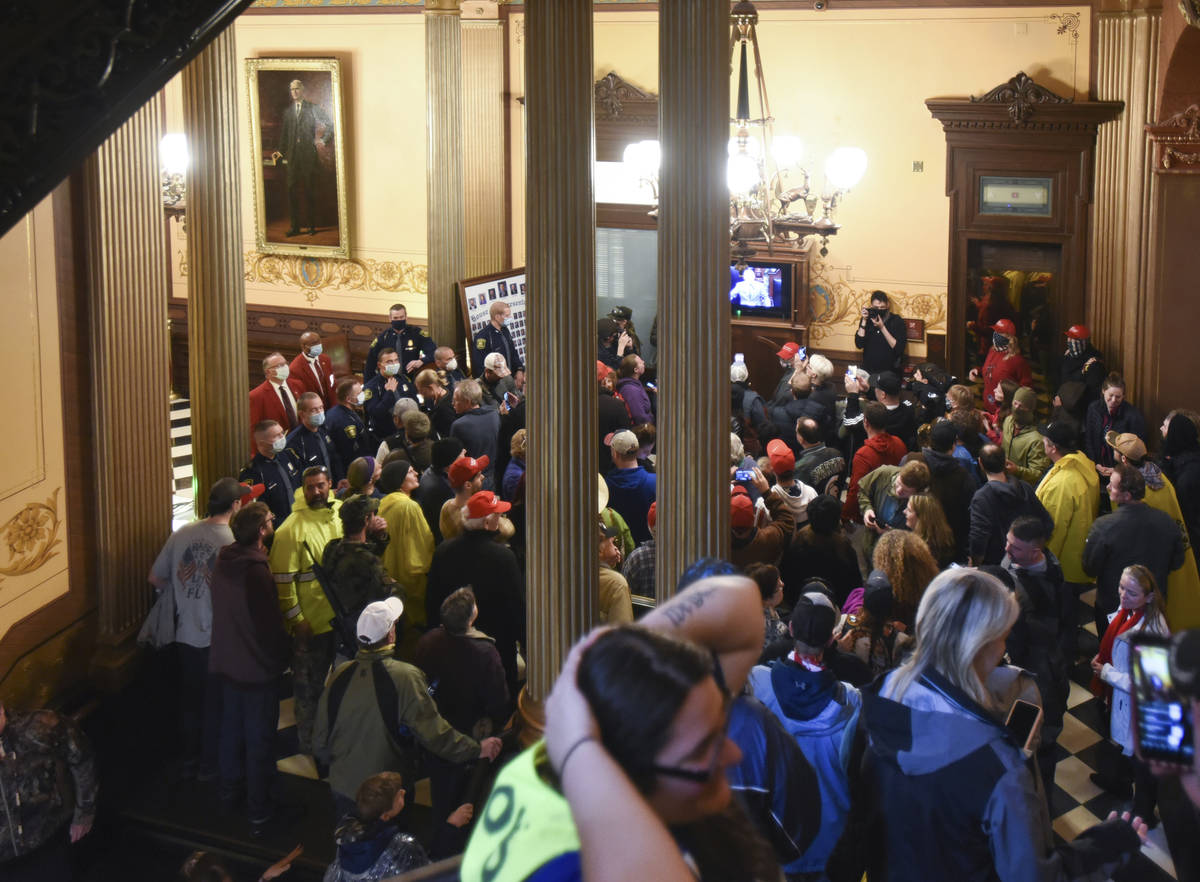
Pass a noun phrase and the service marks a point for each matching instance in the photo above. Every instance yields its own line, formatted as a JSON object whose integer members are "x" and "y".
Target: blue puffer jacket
{"x": 821, "y": 713}
{"x": 957, "y": 801}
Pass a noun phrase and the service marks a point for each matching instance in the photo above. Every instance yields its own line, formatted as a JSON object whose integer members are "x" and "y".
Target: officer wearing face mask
{"x": 447, "y": 369}
{"x": 345, "y": 425}
{"x": 382, "y": 391}
{"x": 1021, "y": 441}
{"x": 275, "y": 468}
{"x": 310, "y": 442}
{"x": 313, "y": 369}
{"x": 412, "y": 344}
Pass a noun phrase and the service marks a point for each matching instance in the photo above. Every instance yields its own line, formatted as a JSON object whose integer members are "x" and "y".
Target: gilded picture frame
{"x": 298, "y": 156}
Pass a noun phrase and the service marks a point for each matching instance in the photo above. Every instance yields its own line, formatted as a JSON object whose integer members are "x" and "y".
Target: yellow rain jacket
{"x": 410, "y": 550}
{"x": 1071, "y": 493}
{"x": 301, "y": 598}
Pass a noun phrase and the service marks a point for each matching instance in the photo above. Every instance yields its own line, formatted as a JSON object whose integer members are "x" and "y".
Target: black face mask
{"x": 399, "y": 324}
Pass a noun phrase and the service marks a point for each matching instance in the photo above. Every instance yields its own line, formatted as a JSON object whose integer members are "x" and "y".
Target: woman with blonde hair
{"x": 961, "y": 410}
{"x": 955, "y": 796}
{"x": 906, "y": 560}
{"x": 925, "y": 517}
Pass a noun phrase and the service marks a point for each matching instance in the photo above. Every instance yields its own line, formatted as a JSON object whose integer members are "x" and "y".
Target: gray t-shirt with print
{"x": 186, "y": 563}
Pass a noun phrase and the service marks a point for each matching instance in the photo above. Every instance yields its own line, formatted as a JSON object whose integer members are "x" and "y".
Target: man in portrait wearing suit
{"x": 298, "y": 151}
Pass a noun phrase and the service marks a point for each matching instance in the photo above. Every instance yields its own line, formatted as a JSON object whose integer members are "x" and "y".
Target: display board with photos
{"x": 477, "y": 296}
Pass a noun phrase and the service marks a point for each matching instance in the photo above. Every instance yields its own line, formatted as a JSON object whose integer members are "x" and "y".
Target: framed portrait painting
{"x": 299, "y": 156}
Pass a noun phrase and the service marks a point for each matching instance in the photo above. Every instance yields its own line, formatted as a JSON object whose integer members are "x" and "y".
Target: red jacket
{"x": 1000, "y": 366}
{"x": 301, "y": 371}
{"x": 882, "y": 449}
{"x": 265, "y": 404}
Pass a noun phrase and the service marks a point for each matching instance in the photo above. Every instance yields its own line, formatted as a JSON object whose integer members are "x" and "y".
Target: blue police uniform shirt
{"x": 492, "y": 339}
{"x": 410, "y": 344}
{"x": 280, "y": 476}
{"x": 350, "y": 435}
{"x": 380, "y": 401}
{"x": 315, "y": 448}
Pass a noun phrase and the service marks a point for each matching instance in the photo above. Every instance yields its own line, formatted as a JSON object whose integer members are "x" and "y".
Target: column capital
{"x": 443, "y": 7}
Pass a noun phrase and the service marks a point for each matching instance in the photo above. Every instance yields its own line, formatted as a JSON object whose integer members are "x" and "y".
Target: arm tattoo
{"x": 682, "y": 607}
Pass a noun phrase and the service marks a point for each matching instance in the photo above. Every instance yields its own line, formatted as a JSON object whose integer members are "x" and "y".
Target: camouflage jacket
{"x": 358, "y": 574}
{"x": 38, "y": 751}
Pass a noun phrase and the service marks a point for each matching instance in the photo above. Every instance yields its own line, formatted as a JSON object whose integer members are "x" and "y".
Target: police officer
{"x": 495, "y": 337}
{"x": 383, "y": 390}
{"x": 344, "y": 423}
{"x": 275, "y": 468}
{"x": 414, "y": 346}
{"x": 447, "y": 368}
{"x": 310, "y": 442}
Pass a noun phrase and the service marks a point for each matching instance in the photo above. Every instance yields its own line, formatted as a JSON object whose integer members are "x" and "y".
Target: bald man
{"x": 313, "y": 369}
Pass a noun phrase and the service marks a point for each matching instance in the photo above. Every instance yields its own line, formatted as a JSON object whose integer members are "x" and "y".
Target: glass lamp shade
{"x": 845, "y": 167}
{"x": 643, "y": 158}
{"x": 742, "y": 174}
{"x": 753, "y": 147}
{"x": 173, "y": 153}
{"x": 787, "y": 150}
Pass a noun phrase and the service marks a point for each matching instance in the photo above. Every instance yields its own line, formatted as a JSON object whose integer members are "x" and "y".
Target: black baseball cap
{"x": 888, "y": 381}
{"x": 812, "y": 623}
{"x": 1060, "y": 432}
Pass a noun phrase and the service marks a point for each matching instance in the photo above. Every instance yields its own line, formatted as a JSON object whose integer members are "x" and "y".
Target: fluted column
{"x": 485, "y": 238}
{"x": 129, "y": 365}
{"x": 561, "y": 480}
{"x": 693, "y": 275}
{"x": 1127, "y": 49}
{"x": 443, "y": 90}
{"x": 217, "y": 378}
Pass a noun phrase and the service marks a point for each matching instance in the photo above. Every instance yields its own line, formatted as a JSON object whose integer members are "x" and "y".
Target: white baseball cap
{"x": 377, "y": 619}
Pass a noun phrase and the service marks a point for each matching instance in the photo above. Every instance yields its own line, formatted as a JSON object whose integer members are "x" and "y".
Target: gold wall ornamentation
{"x": 835, "y": 305}
{"x": 317, "y": 275}
{"x": 30, "y": 537}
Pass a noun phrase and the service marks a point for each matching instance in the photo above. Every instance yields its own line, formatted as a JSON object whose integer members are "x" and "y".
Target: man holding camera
{"x": 881, "y": 336}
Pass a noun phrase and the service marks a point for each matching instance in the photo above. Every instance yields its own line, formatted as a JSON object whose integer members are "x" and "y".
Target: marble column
{"x": 485, "y": 238}
{"x": 1127, "y": 50}
{"x": 693, "y": 275}
{"x": 125, "y": 247}
{"x": 444, "y": 176}
{"x": 217, "y": 374}
{"x": 562, "y": 470}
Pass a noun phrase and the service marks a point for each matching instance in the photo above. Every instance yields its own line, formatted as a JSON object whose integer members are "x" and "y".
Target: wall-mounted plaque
{"x": 1026, "y": 197}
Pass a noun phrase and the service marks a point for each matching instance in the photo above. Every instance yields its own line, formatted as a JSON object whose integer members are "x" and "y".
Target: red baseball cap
{"x": 1004, "y": 326}
{"x": 464, "y": 469}
{"x": 789, "y": 350}
{"x": 252, "y": 491}
{"x": 741, "y": 511}
{"x": 1079, "y": 332}
{"x": 484, "y": 503}
{"x": 652, "y": 515}
{"x": 781, "y": 456}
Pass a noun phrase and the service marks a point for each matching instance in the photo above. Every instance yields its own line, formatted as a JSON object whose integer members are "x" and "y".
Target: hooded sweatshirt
{"x": 955, "y": 799}
{"x": 876, "y": 451}
{"x": 249, "y": 644}
{"x": 372, "y": 852}
{"x": 1070, "y": 491}
{"x": 821, "y": 713}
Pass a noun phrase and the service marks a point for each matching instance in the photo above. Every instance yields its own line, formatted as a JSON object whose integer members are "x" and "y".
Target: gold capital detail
{"x": 30, "y": 536}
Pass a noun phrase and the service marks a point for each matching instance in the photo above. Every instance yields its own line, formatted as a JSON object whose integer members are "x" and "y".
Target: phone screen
{"x": 1163, "y": 719}
{"x": 803, "y": 353}
{"x": 1022, "y": 719}
{"x": 743, "y": 475}
{"x": 510, "y": 399}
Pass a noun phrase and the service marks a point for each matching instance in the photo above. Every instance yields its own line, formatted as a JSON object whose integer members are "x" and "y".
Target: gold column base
{"x": 531, "y": 718}
{"x": 113, "y": 667}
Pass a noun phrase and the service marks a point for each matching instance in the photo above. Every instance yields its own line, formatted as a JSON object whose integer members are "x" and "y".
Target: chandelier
{"x": 771, "y": 200}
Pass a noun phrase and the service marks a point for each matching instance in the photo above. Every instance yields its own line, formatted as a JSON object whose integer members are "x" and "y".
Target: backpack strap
{"x": 337, "y": 691}
{"x": 388, "y": 699}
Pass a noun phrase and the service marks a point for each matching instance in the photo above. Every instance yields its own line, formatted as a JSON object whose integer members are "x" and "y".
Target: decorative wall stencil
{"x": 835, "y": 305}
{"x": 1068, "y": 24}
{"x": 318, "y": 275}
{"x": 29, "y": 537}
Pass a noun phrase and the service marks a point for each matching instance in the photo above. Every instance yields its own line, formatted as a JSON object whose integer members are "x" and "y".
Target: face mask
{"x": 1076, "y": 347}
{"x": 1023, "y": 417}
{"x": 279, "y": 445}
{"x": 390, "y": 370}
{"x": 362, "y": 396}
{"x": 281, "y": 372}
{"x": 999, "y": 341}
{"x": 314, "y": 351}
{"x": 452, "y": 364}
{"x": 399, "y": 324}
{"x": 317, "y": 419}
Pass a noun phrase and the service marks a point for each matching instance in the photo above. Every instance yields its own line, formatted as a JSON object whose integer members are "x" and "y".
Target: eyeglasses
{"x": 696, "y": 775}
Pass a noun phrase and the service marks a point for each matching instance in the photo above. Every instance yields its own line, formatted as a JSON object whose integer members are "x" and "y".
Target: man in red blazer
{"x": 275, "y": 397}
{"x": 312, "y": 368}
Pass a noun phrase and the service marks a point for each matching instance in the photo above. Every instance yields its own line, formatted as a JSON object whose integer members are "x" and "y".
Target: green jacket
{"x": 1023, "y": 445}
{"x": 1071, "y": 493}
{"x": 358, "y": 743}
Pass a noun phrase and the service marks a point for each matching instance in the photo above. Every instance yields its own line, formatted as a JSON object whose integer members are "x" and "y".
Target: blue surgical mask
{"x": 317, "y": 419}
{"x": 316, "y": 350}
{"x": 390, "y": 370}
{"x": 360, "y": 398}
{"x": 279, "y": 445}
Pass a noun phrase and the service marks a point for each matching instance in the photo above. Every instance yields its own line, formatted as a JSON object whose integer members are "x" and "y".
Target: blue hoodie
{"x": 821, "y": 713}
{"x": 956, "y": 799}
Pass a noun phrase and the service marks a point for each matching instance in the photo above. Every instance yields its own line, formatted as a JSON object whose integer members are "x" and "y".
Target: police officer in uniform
{"x": 309, "y": 443}
{"x": 383, "y": 390}
{"x": 275, "y": 468}
{"x": 495, "y": 337}
{"x": 344, "y": 423}
{"x": 414, "y": 346}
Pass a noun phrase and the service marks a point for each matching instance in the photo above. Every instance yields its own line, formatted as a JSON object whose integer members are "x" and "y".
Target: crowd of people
{"x": 907, "y": 555}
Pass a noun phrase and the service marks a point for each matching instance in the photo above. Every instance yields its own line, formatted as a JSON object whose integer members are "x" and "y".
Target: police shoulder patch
{"x": 421, "y": 331}
{"x": 375, "y": 342}
{"x": 481, "y": 343}
{"x": 351, "y": 431}
{"x": 368, "y": 395}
